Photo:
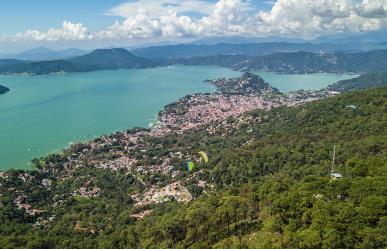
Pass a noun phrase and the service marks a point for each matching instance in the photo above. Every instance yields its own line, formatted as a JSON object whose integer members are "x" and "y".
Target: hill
{"x": 43, "y": 53}
{"x": 368, "y": 80}
{"x": 100, "y": 59}
{"x": 294, "y": 62}
{"x": 250, "y": 49}
{"x": 5, "y": 62}
{"x": 267, "y": 185}
{"x": 111, "y": 59}
{"x": 359, "y": 38}
{"x": 298, "y": 62}
{"x": 245, "y": 40}
{"x": 247, "y": 84}
{"x": 3, "y": 89}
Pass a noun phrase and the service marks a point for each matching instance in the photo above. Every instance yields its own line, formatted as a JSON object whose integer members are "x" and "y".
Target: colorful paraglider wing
{"x": 190, "y": 166}
{"x": 204, "y": 156}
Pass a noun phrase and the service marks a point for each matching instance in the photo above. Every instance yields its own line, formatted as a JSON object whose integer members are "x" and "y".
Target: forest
{"x": 269, "y": 186}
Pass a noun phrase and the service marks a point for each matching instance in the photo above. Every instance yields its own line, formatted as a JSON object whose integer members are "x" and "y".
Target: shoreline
{"x": 158, "y": 127}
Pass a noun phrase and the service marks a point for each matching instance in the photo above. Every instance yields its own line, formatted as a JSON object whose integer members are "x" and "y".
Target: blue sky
{"x": 101, "y": 23}
{"x": 20, "y": 15}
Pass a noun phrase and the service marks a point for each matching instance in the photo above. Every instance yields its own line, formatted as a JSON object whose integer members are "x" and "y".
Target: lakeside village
{"x": 161, "y": 178}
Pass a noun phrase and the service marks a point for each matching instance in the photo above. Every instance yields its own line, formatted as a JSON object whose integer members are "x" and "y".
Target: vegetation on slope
{"x": 291, "y": 62}
{"x": 298, "y": 62}
{"x": 249, "y": 49}
{"x": 271, "y": 187}
{"x": 100, "y": 59}
{"x": 369, "y": 80}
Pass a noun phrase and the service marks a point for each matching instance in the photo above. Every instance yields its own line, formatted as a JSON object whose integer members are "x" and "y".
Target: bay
{"x": 43, "y": 114}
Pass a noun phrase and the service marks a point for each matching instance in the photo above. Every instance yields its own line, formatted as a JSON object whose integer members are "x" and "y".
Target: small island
{"x": 3, "y": 89}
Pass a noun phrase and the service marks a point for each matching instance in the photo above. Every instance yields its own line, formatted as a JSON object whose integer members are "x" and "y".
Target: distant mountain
{"x": 297, "y": 62}
{"x": 368, "y": 80}
{"x": 245, "y": 40}
{"x": 10, "y": 62}
{"x": 3, "y": 89}
{"x": 255, "y": 49}
{"x": 360, "y": 38}
{"x": 97, "y": 60}
{"x": 293, "y": 62}
{"x": 43, "y": 53}
{"x": 112, "y": 59}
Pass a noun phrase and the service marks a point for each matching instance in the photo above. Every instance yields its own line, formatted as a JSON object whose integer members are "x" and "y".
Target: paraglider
{"x": 350, "y": 106}
{"x": 203, "y": 156}
{"x": 190, "y": 166}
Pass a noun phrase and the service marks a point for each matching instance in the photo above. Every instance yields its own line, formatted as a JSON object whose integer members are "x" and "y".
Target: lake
{"x": 43, "y": 114}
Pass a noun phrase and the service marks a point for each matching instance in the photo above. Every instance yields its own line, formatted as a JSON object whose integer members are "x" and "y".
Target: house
{"x": 336, "y": 176}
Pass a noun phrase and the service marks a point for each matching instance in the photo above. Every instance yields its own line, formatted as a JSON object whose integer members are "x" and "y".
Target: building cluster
{"x": 174, "y": 191}
{"x": 206, "y": 109}
{"x": 21, "y": 203}
{"x": 87, "y": 191}
{"x": 216, "y": 113}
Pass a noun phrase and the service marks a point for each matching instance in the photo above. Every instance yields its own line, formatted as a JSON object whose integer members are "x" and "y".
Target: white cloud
{"x": 304, "y": 18}
{"x": 225, "y": 17}
{"x": 168, "y": 19}
{"x": 310, "y": 18}
{"x": 157, "y": 8}
{"x": 68, "y": 32}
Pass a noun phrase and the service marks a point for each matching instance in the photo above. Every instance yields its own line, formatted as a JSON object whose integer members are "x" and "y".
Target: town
{"x": 161, "y": 178}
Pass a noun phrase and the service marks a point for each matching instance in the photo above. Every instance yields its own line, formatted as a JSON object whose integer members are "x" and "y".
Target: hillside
{"x": 250, "y": 49}
{"x": 100, "y": 59}
{"x": 111, "y": 59}
{"x": 247, "y": 84}
{"x": 3, "y": 89}
{"x": 10, "y": 62}
{"x": 294, "y": 62}
{"x": 298, "y": 62}
{"x": 267, "y": 185}
{"x": 369, "y": 80}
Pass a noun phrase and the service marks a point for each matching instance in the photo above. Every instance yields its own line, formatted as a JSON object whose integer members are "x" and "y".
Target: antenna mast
{"x": 333, "y": 158}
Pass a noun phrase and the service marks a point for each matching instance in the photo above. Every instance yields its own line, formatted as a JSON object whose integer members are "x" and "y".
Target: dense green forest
{"x": 269, "y": 186}
{"x": 100, "y": 59}
{"x": 297, "y": 62}
{"x": 250, "y": 49}
{"x": 290, "y": 62}
{"x": 368, "y": 80}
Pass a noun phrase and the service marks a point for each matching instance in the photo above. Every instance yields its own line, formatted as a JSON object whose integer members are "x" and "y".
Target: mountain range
{"x": 298, "y": 62}
{"x": 100, "y": 59}
{"x": 250, "y": 49}
{"x": 43, "y": 53}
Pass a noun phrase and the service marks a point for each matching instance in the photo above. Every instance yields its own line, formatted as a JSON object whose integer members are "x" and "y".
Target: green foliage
{"x": 100, "y": 59}
{"x": 368, "y": 80}
{"x": 272, "y": 188}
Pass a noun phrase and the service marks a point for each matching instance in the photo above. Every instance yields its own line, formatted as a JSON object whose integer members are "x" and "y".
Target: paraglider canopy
{"x": 203, "y": 156}
{"x": 190, "y": 166}
{"x": 350, "y": 106}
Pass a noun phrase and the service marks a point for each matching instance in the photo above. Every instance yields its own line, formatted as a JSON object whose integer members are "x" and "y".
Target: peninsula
{"x": 263, "y": 148}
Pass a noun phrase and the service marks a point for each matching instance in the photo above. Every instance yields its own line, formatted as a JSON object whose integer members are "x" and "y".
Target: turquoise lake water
{"x": 43, "y": 114}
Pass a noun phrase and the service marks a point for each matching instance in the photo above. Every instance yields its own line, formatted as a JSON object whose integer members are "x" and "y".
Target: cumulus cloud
{"x": 304, "y": 18}
{"x": 157, "y": 8}
{"x": 225, "y": 17}
{"x": 169, "y": 19}
{"x": 68, "y": 32}
{"x": 310, "y": 18}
